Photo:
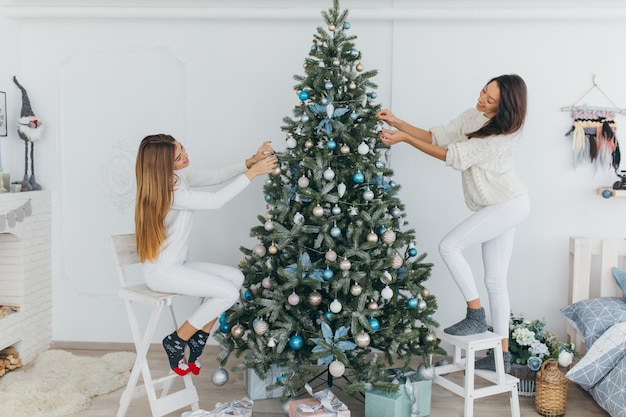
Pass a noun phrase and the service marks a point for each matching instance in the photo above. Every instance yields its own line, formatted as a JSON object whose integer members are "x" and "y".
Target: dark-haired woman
{"x": 164, "y": 209}
{"x": 480, "y": 143}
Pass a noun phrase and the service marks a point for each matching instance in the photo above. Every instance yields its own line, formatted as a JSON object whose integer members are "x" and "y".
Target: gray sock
{"x": 489, "y": 363}
{"x": 473, "y": 323}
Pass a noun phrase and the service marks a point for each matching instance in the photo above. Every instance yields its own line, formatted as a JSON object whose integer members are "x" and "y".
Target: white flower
{"x": 565, "y": 358}
{"x": 523, "y": 336}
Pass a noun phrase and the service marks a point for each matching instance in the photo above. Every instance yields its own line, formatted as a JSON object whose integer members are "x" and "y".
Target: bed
{"x": 596, "y": 319}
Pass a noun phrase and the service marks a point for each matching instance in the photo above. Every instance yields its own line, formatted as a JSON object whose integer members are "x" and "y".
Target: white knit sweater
{"x": 178, "y": 221}
{"x": 486, "y": 164}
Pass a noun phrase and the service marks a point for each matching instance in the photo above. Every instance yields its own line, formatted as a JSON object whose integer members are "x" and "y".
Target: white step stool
{"x": 502, "y": 382}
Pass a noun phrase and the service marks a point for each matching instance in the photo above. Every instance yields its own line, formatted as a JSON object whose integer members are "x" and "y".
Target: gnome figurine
{"x": 29, "y": 129}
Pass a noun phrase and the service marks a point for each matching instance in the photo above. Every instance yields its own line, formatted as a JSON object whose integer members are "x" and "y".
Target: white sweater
{"x": 178, "y": 221}
{"x": 486, "y": 164}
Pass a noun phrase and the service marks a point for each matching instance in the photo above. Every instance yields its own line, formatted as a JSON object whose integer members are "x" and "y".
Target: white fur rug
{"x": 60, "y": 383}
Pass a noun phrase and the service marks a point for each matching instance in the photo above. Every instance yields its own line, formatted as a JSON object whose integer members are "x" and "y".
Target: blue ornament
{"x": 373, "y": 94}
{"x": 280, "y": 378}
{"x": 328, "y": 274}
{"x": 607, "y": 193}
{"x": 224, "y": 327}
{"x": 412, "y": 302}
{"x": 303, "y": 95}
{"x": 336, "y": 210}
{"x": 412, "y": 252}
{"x": 331, "y": 144}
{"x": 329, "y": 315}
{"x": 247, "y": 295}
{"x": 328, "y": 85}
{"x": 381, "y": 230}
{"x": 392, "y": 184}
{"x": 374, "y": 323}
{"x": 358, "y": 177}
{"x": 335, "y": 231}
{"x": 313, "y": 47}
{"x": 223, "y": 318}
{"x": 379, "y": 165}
{"x": 354, "y": 53}
{"x": 296, "y": 342}
{"x": 346, "y": 25}
{"x": 268, "y": 198}
{"x": 354, "y": 116}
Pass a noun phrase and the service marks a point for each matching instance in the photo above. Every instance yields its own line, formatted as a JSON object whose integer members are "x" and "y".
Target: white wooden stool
{"x": 501, "y": 382}
{"x": 125, "y": 253}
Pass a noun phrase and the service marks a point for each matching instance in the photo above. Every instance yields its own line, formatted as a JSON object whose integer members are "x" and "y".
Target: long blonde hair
{"x": 154, "y": 170}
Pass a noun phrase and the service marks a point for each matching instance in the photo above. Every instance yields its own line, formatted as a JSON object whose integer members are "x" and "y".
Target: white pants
{"x": 218, "y": 284}
{"x": 493, "y": 227}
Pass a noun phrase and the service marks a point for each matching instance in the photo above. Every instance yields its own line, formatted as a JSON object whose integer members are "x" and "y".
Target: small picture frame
{"x": 3, "y": 113}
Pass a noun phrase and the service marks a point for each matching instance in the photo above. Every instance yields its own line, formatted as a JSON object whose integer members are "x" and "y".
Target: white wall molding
{"x": 395, "y": 14}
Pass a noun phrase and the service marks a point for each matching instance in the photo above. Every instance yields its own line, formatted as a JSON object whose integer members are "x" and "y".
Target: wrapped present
{"x": 237, "y": 408}
{"x": 257, "y": 387}
{"x": 320, "y": 404}
{"x": 411, "y": 400}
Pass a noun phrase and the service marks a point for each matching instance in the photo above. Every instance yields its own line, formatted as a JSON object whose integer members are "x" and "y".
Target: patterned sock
{"x": 473, "y": 323}
{"x": 489, "y": 363}
{"x": 196, "y": 346}
{"x": 175, "y": 349}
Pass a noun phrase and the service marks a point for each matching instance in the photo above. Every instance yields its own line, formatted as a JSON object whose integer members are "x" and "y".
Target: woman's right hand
{"x": 388, "y": 117}
{"x": 266, "y": 165}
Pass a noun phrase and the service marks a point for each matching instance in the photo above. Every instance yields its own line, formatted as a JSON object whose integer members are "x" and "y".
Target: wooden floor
{"x": 444, "y": 403}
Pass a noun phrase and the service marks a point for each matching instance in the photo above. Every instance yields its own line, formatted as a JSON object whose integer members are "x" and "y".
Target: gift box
{"x": 321, "y": 404}
{"x": 411, "y": 400}
{"x": 237, "y": 408}
{"x": 257, "y": 387}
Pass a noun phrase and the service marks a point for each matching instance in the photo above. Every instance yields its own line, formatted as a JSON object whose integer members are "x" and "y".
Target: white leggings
{"x": 493, "y": 227}
{"x": 218, "y": 284}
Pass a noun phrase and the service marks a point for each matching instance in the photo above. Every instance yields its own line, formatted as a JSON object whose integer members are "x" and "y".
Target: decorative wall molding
{"x": 378, "y": 14}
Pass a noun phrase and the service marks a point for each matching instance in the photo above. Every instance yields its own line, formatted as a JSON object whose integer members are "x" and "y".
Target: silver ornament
{"x": 336, "y": 210}
{"x": 421, "y": 306}
{"x": 363, "y": 149}
{"x": 261, "y": 327}
{"x": 368, "y": 195}
{"x": 237, "y": 331}
{"x": 389, "y": 237}
{"x": 329, "y": 174}
{"x": 430, "y": 337}
{"x": 259, "y": 250}
{"x": 303, "y": 182}
{"x": 426, "y": 374}
{"x": 345, "y": 265}
{"x": 336, "y": 368}
{"x": 271, "y": 343}
{"x": 341, "y": 189}
{"x": 372, "y": 305}
{"x": 386, "y": 293}
{"x": 298, "y": 218}
{"x": 291, "y": 143}
{"x": 362, "y": 339}
{"x": 269, "y": 226}
{"x": 267, "y": 282}
{"x": 425, "y": 292}
{"x": 219, "y": 376}
{"x": 396, "y": 212}
{"x": 335, "y": 306}
{"x": 315, "y": 299}
{"x": 356, "y": 290}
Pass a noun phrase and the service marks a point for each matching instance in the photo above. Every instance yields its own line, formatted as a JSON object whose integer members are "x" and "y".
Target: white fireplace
{"x": 25, "y": 272}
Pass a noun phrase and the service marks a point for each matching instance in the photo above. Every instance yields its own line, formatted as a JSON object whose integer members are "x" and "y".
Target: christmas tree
{"x": 335, "y": 282}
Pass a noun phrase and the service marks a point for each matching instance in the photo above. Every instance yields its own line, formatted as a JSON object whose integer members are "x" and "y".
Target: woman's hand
{"x": 391, "y": 137}
{"x": 388, "y": 117}
{"x": 266, "y": 165}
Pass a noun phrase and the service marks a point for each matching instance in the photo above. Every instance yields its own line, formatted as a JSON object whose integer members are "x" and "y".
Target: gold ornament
{"x": 352, "y": 86}
{"x": 308, "y": 144}
{"x": 315, "y": 299}
{"x": 318, "y": 211}
{"x": 426, "y": 292}
{"x": 372, "y": 237}
{"x": 362, "y": 339}
{"x": 430, "y": 337}
{"x": 356, "y": 290}
{"x": 237, "y": 331}
{"x": 372, "y": 305}
{"x": 336, "y": 62}
{"x": 345, "y": 265}
{"x": 273, "y": 249}
{"x": 360, "y": 67}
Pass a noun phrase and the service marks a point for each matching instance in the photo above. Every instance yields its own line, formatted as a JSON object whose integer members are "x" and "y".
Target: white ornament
{"x": 269, "y": 226}
{"x": 291, "y": 143}
{"x": 329, "y": 174}
{"x": 329, "y": 110}
{"x": 389, "y": 236}
{"x": 267, "y": 282}
{"x": 368, "y": 195}
{"x": 261, "y": 327}
{"x": 303, "y": 182}
{"x": 363, "y": 149}
{"x": 271, "y": 343}
{"x": 219, "y": 376}
{"x": 335, "y": 306}
{"x": 345, "y": 149}
{"x": 298, "y": 218}
{"x": 372, "y": 237}
{"x": 356, "y": 290}
{"x": 386, "y": 293}
{"x": 336, "y": 368}
{"x": 331, "y": 255}
{"x": 341, "y": 189}
{"x": 259, "y": 250}
{"x": 293, "y": 299}
{"x": 345, "y": 265}
{"x": 318, "y": 211}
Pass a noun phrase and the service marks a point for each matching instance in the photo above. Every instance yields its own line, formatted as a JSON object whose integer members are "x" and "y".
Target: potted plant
{"x": 16, "y": 186}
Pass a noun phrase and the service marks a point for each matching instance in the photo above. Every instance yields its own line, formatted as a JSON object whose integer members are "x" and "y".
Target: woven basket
{"x": 526, "y": 383}
{"x": 551, "y": 398}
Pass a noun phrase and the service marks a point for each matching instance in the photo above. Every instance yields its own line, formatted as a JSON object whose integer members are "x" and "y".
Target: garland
{"x": 11, "y": 217}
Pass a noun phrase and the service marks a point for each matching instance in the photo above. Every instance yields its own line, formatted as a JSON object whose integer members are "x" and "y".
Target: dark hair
{"x": 511, "y": 112}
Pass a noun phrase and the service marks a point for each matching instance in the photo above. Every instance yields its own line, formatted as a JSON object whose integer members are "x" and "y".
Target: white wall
{"x": 221, "y": 82}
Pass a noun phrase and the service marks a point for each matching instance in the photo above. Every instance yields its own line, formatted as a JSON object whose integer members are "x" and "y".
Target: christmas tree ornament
{"x": 412, "y": 251}
{"x": 335, "y": 306}
{"x": 372, "y": 305}
{"x": 331, "y": 255}
{"x": 368, "y": 195}
{"x": 336, "y": 62}
{"x": 335, "y": 231}
{"x": 267, "y": 197}
{"x": 328, "y": 274}
{"x": 224, "y": 327}
{"x": 304, "y": 118}
{"x": 328, "y": 85}
{"x": 363, "y": 149}
{"x": 315, "y": 299}
{"x": 247, "y": 295}
{"x": 298, "y": 218}
{"x": 331, "y": 144}
{"x": 309, "y": 144}
{"x": 381, "y": 230}
{"x": 345, "y": 264}
{"x": 319, "y": 42}
{"x": 379, "y": 164}
{"x": 336, "y": 368}
{"x": 329, "y": 315}
{"x": 219, "y": 376}
{"x": 412, "y": 302}
{"x": 271, "y": 343}
{"x": 261, "y": 327}
{"x": 237, "y": 331}
{"x": 425, "y": 292}
{"x": 346, "y": 25}
{"x": 303, "y": 182}
{"x": 318, "y": 211}
{"x": 222, "y": 318}
{"x": 386, "y": 293}
{"x": 352, "y": 86}
{"x": 354, "y": 116}
{"x": 356, "y": 289}
{"x": 358, "y": 177}
{"x": 269, "y": 215}
{"x": 259, "y": 250}
{"x": 331, "y": 28}
{"x": 373, "y": 94}
{"x": 303, "y": 95}
{"x": 272, "y": 249}
{"x": 387, "y": 278}
{"x": 277, "y": 171}
{"x": 430, "y": 337}
{"x": 374, "y": 323}
{"x": 396, "y": 261}
{"x": 389, "y": 237}
{"x": 296, "y": 342}
{"x": 341, "y": 189}
{"x": 269, "y": 226}
{"x": 336, "y": 210}
{"x": 267, "y": 282}
{"x": 354, "y": 53}
{"x": 362, "y": 339}
{"x": 329, "y": 174}
{"x": 353, "y": 211}
{"x": 372, "y": 237}
{"x": 360, "y": 67}
{"x": 291, "y": 142}
{"x": 345, "y": 149}
{"x": 372, "y": 103}
{"x": 426, "y": 374}
{"x": 396, "y": 212}
{"x": 293, "y": 299}
{"x": 421, "y": 305}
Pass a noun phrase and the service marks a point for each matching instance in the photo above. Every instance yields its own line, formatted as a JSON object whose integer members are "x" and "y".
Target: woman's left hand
{"x": 264, "y": 151}
{"x": 391, "y": 137}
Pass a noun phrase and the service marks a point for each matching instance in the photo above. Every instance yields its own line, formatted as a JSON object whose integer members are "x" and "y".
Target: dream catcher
{"x": 593, "y": 133}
